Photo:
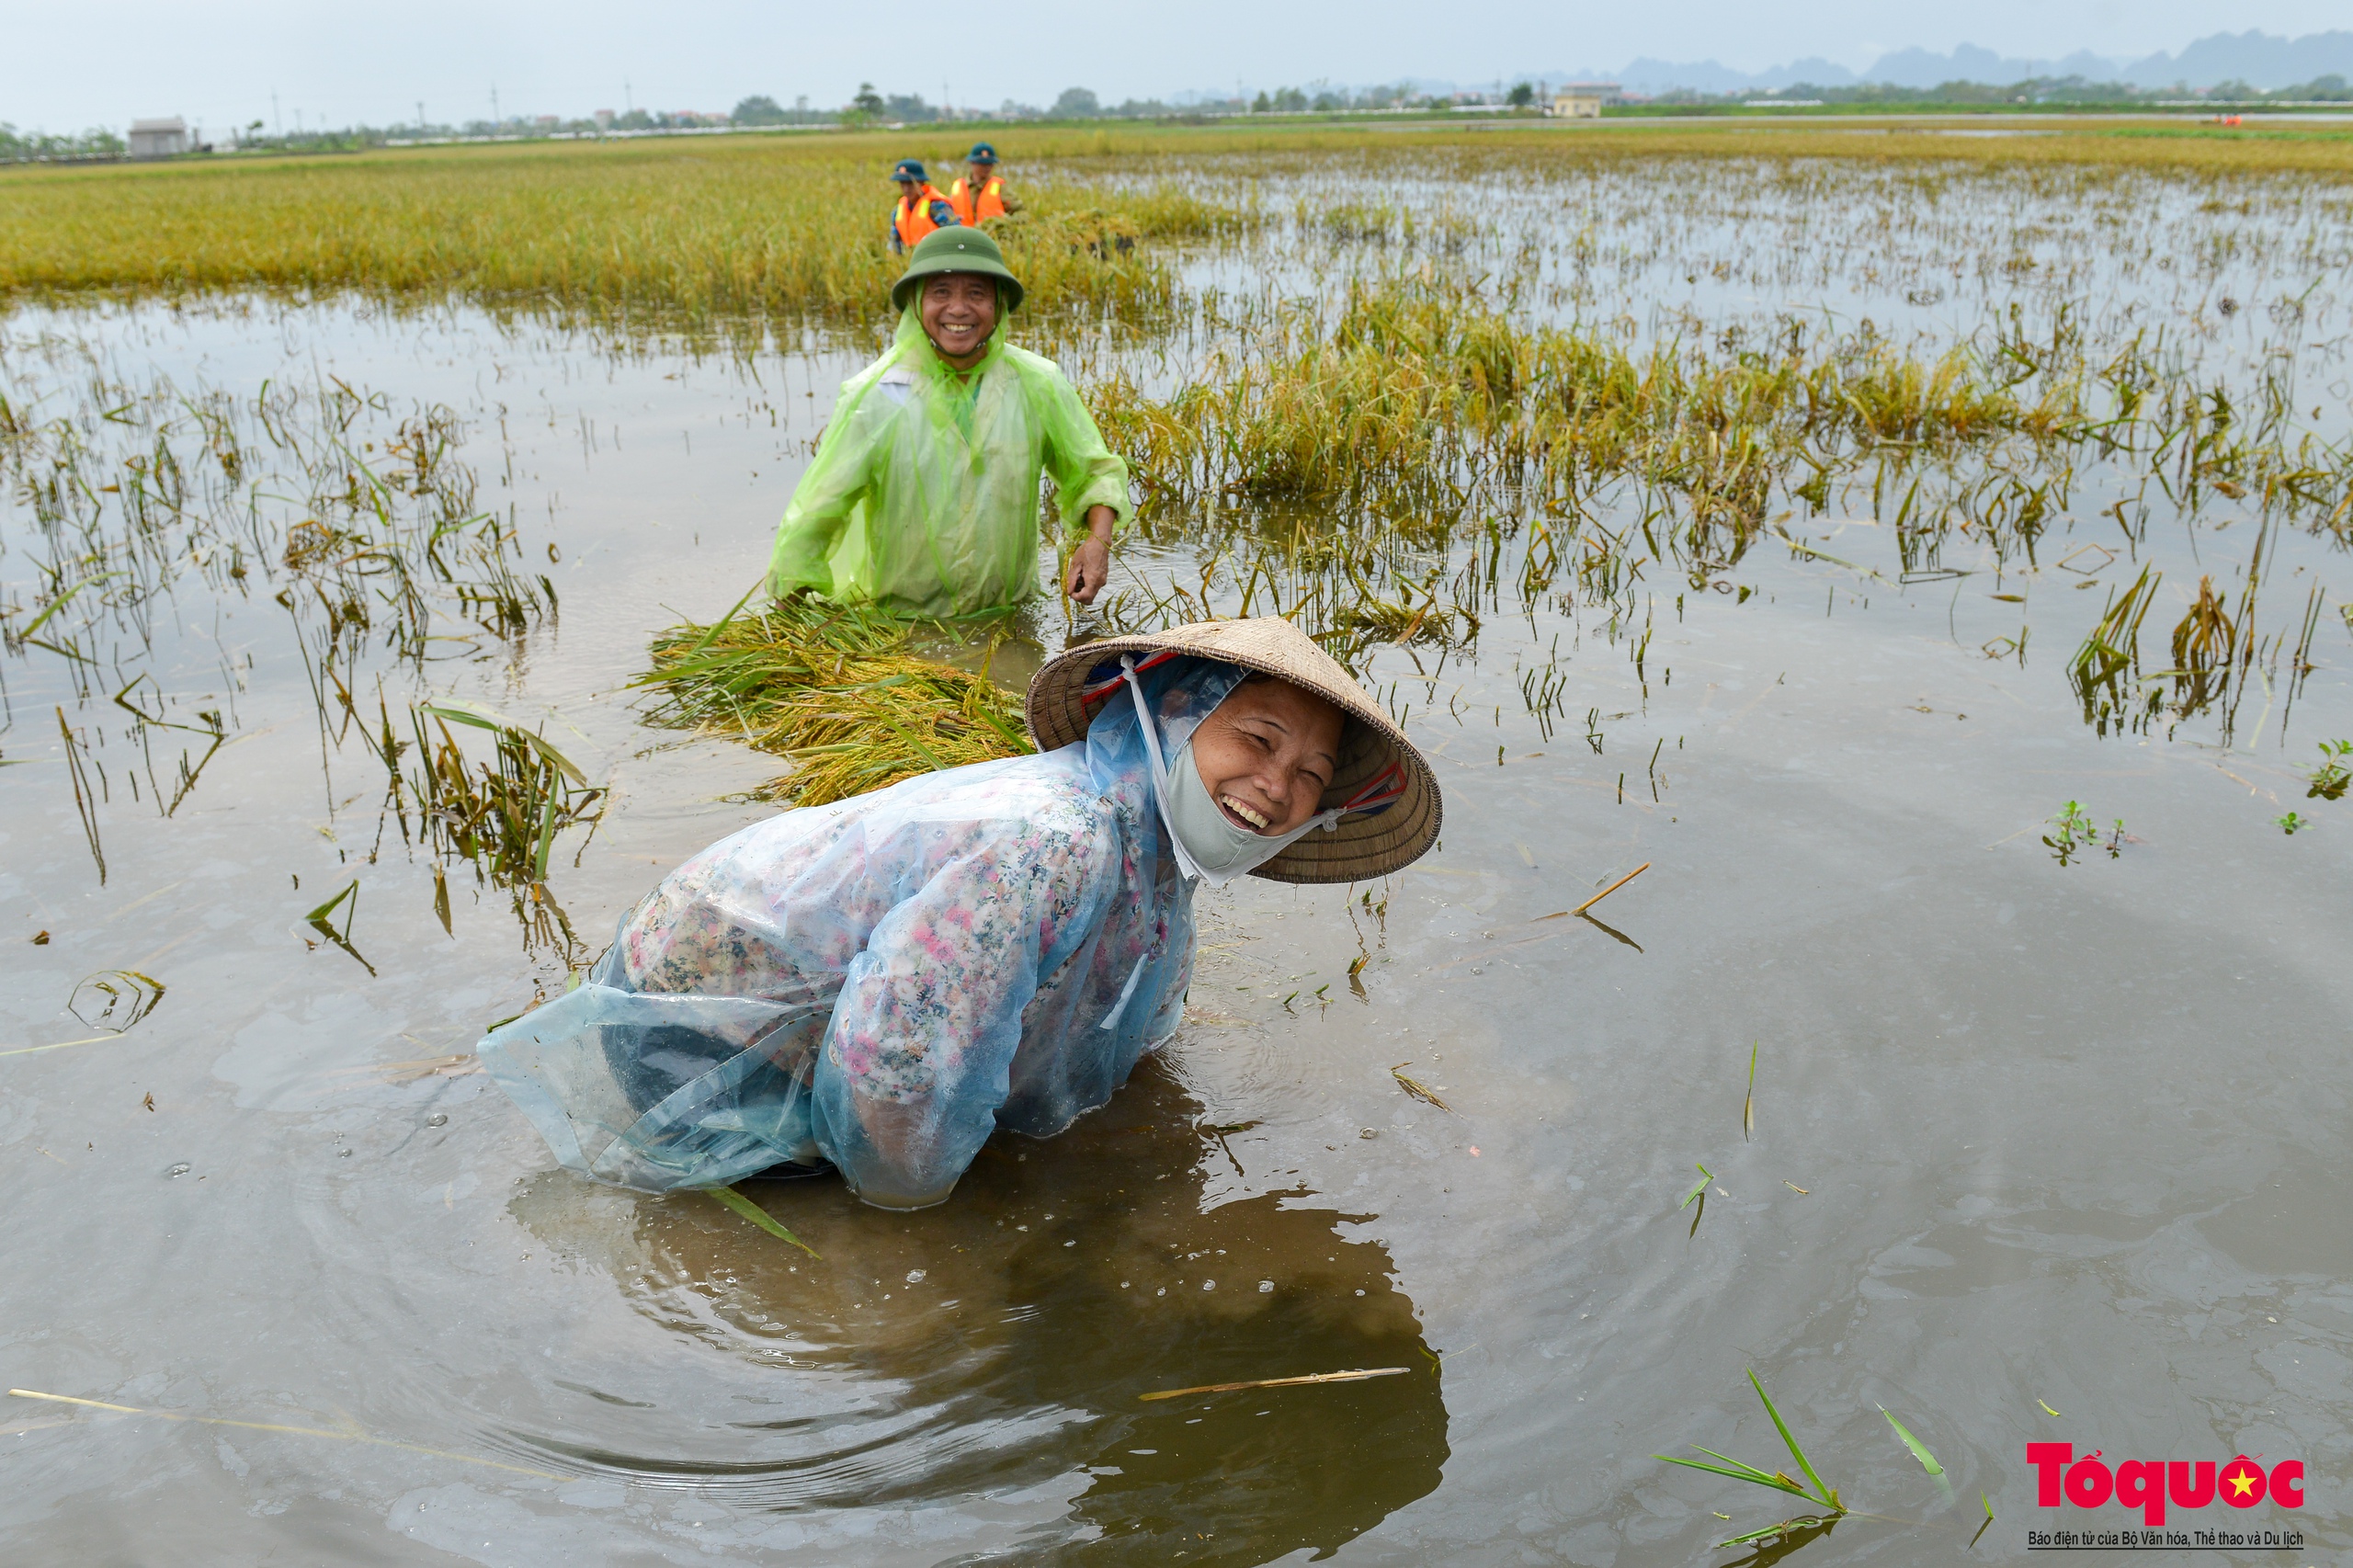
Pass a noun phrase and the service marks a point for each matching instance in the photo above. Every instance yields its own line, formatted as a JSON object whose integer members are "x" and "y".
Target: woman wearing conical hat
{"x": 878, "y": 984}
{"x": 922, "y": 496}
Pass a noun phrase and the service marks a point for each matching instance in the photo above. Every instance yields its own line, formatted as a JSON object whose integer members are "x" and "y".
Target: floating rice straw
{"x": 354, "y": 1435}
{"x": 1613, "y": 887}
{"x": 1355, "y": 1377}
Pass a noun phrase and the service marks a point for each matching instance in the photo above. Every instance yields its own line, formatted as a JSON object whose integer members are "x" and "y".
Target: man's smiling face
{"x": 958, "y": 311}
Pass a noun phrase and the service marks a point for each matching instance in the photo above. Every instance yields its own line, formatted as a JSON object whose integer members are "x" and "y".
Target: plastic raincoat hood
{"x": 922, "y": 496}
{"x": 885, "y": 981}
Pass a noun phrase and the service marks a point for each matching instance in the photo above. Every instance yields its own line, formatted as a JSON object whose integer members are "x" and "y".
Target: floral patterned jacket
{"x": 885, "y": 981}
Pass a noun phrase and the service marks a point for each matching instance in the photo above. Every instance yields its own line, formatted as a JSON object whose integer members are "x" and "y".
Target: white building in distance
{"x": 158, "y": 138}
{"x": 1583, "y": 100}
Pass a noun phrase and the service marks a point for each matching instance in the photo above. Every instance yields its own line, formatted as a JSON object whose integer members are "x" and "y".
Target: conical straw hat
{"x": 1367, "y": 843}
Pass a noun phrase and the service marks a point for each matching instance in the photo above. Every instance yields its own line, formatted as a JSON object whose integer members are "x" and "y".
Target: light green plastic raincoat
{"x": 923, "y": 498}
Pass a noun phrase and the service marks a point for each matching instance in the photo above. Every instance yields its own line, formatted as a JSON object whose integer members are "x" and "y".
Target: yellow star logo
{"x": 2242, "y": 1483}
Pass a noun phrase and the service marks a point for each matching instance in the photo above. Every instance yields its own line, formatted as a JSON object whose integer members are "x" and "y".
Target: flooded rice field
{"x": 1936, "y": 579}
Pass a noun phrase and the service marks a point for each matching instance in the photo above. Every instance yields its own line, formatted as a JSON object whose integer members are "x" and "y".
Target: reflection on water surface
{"x": 991, "y": 1342}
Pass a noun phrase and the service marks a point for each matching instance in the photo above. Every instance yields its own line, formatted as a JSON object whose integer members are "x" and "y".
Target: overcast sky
{"x": 65, "y": 67}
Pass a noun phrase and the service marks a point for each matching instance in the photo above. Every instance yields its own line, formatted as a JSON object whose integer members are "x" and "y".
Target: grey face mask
{"x": 1210, "y": 848}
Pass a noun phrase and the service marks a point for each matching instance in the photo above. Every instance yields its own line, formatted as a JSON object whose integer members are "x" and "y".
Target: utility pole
{"x": 494, "y": 108}
{"x": 629, "y": 104}
{"x": 420, "y": 117}
{"x": 276, "y": 127}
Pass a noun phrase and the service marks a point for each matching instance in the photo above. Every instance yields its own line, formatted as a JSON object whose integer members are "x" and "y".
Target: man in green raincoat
{"x": 923, "y": 498}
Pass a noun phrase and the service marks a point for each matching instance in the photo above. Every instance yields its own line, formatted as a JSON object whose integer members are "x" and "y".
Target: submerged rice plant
{"x": 1812, "y": 1490}
{"x": 2204, "y": 644}
{"x": 2104, "y": 667}
{"x": 344, "y": 529}
{"x": 358, "y": 513}
{"x": 504, "y": 814}
{"x": 1428, "y": 389}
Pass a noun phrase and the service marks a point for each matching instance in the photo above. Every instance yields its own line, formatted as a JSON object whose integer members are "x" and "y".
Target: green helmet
{"x": 955, "y": 250}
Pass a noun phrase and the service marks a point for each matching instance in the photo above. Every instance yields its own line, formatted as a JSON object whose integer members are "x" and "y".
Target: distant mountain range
{"x": 2255, "y": 58}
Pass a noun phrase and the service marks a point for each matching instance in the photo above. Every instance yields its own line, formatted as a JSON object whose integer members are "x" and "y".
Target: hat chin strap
{"x": 1190, "y": 868}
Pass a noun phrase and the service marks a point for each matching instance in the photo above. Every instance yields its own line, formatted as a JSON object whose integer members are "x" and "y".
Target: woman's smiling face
{"x": 1266, "y": 754}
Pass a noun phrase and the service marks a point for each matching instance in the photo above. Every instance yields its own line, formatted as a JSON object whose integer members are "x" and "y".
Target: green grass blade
{"x": 1743, "y": 1472}
{"x": 1775, "y": 1479}
{"x": 547, "y": 839}
{"x": 1919, "y": 1449}
{"x": 1749, "y": 1105}
{"x": 319, "y": 914}
{"x": 60, "y": 601}
{"x": 731, "y": 1198}
{"x": 1768, "y": 1533}
{"x": 465, "y": 710}
{"x": 684, "y": 668}
{"x": 1786, "y": 1528}
{"x": 720, "y": 625}
{"x": 1747, "y": 1471}
{"x": 1822, "y": 1492}
{"x": 1005, "y": 730}
{"x": 915, "y": 745}
{"x": 482, "y": 716}
{"x": 563, "y": 763}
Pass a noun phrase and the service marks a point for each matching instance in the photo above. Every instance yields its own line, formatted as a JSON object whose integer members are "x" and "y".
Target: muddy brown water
{"x": 2027, "y": 1137}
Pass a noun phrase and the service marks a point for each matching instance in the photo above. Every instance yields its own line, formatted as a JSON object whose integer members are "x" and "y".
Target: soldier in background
{"x": 980, "y": 195}
{"x": 921, "y": 208}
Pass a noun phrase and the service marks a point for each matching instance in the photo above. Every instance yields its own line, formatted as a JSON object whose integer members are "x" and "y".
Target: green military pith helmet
{"x": 955, "y": 250}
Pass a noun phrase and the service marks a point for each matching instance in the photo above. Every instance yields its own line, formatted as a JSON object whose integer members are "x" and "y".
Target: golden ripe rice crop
{"x": 839, "y": 692}
{"x": 680, "y": 232}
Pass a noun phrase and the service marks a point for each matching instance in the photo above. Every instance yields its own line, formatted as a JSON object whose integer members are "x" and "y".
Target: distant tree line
{"x": 1320, "y": 97}
{"x": 870, "y": 106}
{"x": 18, "y": 147}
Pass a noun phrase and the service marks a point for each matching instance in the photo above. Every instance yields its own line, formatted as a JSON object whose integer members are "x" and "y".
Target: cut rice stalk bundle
{"x": 839, "y": 692}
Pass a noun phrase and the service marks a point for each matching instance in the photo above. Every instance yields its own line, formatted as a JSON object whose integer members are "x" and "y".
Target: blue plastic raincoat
{"x": 922, "y": 496}
{"x": 885, "y": 981}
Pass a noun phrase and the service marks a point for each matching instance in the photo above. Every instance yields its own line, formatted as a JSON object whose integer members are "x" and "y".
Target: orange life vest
{"x": 990, "y": 204}
{"x": 914, "y": 217}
